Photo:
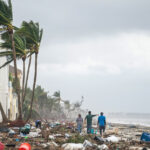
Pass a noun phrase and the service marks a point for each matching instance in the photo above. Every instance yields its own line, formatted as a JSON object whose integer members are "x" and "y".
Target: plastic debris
{"x": 2, "y": 146}
{"x": 12, "y": 132}
{"x": 4, "y": 129}
{"x": 112, "y": 139}
{"x": 51, "y": 137}
{"x": 145, "y": 137}
{"x": 72, "y": 146}
{"x": 33, "y": 134}
{"x": 99, "y": 139}
{"x": 25, "y": 146}
{"x": 102, "y": 147}
{"x": 87, "y": 143}
{"x": 67, "y": 135}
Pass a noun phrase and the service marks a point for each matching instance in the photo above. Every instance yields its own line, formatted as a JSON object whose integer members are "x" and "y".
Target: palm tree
{"x": 21, "y": 52}
{"x": 6, "y": 18}
{"x": 33, "y": 35}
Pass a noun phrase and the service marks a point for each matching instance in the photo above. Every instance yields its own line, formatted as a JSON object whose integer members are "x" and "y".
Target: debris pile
{"x": 64, "y": 136}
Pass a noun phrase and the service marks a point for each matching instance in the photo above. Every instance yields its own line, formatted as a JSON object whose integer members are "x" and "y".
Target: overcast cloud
{"x": 96, "y": 48}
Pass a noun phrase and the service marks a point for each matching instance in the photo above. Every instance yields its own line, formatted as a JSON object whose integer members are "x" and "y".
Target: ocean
{"x": 129, "y": 118}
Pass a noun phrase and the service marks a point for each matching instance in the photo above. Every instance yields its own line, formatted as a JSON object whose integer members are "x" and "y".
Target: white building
{"x": 4, "y": 75}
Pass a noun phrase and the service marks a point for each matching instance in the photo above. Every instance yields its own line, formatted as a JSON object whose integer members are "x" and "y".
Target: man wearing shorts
{"x": 102, "y": 123}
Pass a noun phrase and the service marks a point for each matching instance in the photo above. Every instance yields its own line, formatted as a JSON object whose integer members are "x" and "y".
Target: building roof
{"x": 11, "y": 70}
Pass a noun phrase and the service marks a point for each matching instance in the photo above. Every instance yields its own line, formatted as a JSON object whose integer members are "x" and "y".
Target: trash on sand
{"x": 25, "y": 129}
{"x": 112, "y": 139}
{"x": 67, "y": 135}
{"x": 4, "y": 129}
{"x": 2, "y": 146}
{"x": 52, "y": 144}
{"x": 99, "y": 139}
{"x": 102, "y": 147}
{"x": 17, "y": 140}
{"x": 38, "y": 130}
{"x": 87, "y": 143}
{"x": 51, "y": 137}
{"x": 33, "y": 134}
{"x": 12, "y": 132}
{"x": 10, "y": 145}
{"x": 72, "y": 146}
{"x": 25, "y": 146}
{"x": 145, "y": 137}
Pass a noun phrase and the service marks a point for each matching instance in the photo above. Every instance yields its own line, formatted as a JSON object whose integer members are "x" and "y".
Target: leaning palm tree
{"x": 6, "y": 18}
{"x": 33, "y": 35}
{"x": 21, "y": 52}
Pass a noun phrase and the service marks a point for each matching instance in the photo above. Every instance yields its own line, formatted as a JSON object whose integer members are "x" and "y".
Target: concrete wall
{"x": 4, "y": 75}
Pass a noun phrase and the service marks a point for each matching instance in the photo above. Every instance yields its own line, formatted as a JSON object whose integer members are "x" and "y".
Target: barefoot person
{"x": 89, "y": 121}
{"x": 79, "y": 122}
{"x": 101, "y": 123}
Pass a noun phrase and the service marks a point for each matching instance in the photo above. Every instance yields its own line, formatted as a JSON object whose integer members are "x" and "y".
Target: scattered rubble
{"x": 63, "y": 136}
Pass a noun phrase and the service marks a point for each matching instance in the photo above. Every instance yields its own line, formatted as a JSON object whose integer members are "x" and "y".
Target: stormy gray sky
{"x": 96, "y": 48}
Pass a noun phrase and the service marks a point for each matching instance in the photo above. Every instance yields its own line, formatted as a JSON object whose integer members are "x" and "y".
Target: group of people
{"x": 101, "y": 122}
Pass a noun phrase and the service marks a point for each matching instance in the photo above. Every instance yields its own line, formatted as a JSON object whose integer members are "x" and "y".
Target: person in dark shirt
{"x": 102, "y": 123}
{"x": 89, "y": 118}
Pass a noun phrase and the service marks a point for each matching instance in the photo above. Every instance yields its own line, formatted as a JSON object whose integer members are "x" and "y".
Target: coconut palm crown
{"x": 6, "y": 15}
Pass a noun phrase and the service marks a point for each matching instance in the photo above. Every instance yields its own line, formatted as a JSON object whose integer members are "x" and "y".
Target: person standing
{"x": 89, "y": 121}
{"x": 101, "y": 123}
{"x": 79, "y": 122}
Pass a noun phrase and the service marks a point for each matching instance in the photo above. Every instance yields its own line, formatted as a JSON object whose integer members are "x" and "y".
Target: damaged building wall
{"x": 4, "y": 87}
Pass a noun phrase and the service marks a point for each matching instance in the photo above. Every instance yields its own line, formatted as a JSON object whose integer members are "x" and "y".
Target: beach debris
{"x": 38, "y": 130}
{"x": 10, "y": 145}
{"x": 99, "y": 139}
{"x": 2, "y": 146}
{"x": 11, "y": 132}
{"x": 102, "y": 147}
{"x": 87, "y": 143}
{"x": 67, "y": 135}
{"x": 4, "y": 129}
{"x": 51, "y": 137}
{"x": 145, "y": 137}
{"x": 72, "y": 146}
{"x": 25, "y": 129}
{"x": 25, "y": 146}
{"x": 112, "y": 139}
{"x": 33, "y": 134}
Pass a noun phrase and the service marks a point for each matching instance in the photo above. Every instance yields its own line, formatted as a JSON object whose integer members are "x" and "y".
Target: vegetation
{"x": 48, "y": 106}
{"x": 22, "y": 44}
{"x": 19, "y": 43}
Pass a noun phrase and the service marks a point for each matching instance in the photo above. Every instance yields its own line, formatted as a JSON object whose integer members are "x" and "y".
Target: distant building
{"x": 13, "y": 99}
{"x": 4, "y": 92}
{"x": 8, "y": 97}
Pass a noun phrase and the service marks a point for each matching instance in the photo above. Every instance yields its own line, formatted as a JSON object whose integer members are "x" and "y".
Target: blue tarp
{"x": 145, "y": 137}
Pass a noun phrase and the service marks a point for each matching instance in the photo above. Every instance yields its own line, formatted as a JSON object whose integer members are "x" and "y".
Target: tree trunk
{"x": 4, "y": 117}
{"x": 26, "y": 84}
{"x": 33, "y": 90}
{"x": 16, "y": 75}
{"x": 23, "y": 80}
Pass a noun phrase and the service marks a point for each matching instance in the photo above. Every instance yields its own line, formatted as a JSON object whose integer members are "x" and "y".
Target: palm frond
{"x": 5, "y": 64}
{"x": 5, "y": 12}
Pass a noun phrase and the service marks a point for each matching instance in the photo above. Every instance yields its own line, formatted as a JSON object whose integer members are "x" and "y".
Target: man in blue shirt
{"x": 102, "y": 123}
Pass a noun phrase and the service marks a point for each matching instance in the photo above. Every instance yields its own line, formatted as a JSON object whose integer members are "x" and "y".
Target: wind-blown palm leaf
{"x": 5, "y": 64}
{"x": 20, "y": 45}
{"x": 32, "y": 32}
{"x": 6, "y": 15}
